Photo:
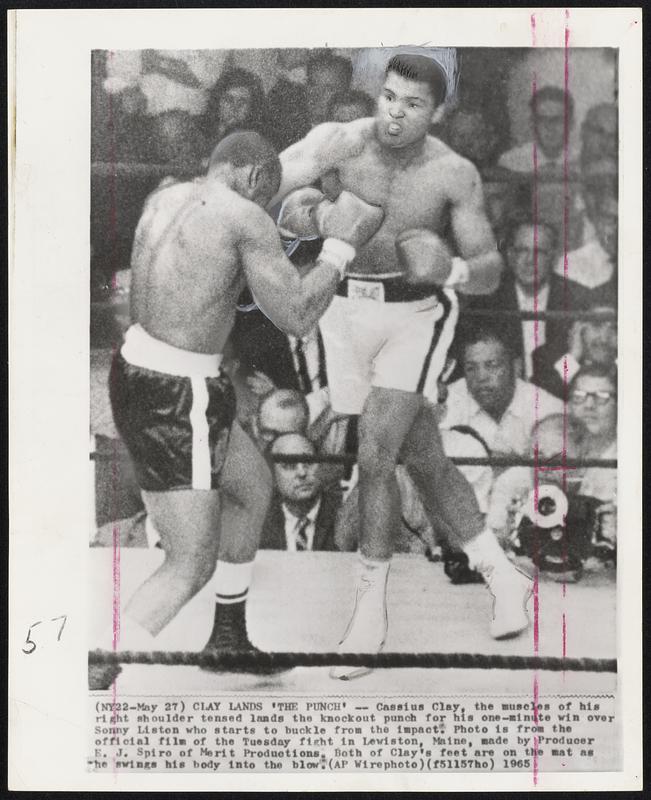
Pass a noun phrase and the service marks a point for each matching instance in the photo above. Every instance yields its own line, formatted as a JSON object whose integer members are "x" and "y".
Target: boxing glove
{"x": 297, "y": 216}
{"x": 349, "y": 219}
{"x": 424, "y": 257}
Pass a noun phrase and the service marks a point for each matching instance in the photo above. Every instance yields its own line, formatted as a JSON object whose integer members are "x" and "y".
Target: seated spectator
{"x": 302, "y": 515}
{"x": 590, "y": 342}
{"x": 491, "y": 399}
{"x": 593, "y": 410}
{"x": 178, "y": 142}
{"x": 529, "y": 284}
{"x": 236, "y": 102}
{"x": 281, "y": 411}
{"x": 549, "y": 107}
{"x": 594, "y": 264}
{"x": 599, "y": 134}
{"x": 295, "y": 109}
{"x": 348, "y": 106}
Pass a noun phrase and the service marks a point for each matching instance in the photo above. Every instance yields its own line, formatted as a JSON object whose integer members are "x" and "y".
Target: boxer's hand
{"x": 297, "y": 218}
{"x": 424, "y": 256}
{"x": 349, "y": 219}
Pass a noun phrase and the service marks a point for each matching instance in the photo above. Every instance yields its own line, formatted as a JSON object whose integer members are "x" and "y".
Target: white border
{"x": 48, "y": 315}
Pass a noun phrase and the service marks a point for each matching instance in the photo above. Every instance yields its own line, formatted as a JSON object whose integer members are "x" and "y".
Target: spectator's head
{"x": 599, "y": 133}
{"x": 602, "y": 207}
{"x": 236, "y": 102}
{"x": 550, "y": 106}
{"x": 411, "y": 100}
{"x": 593, "y": 405}
{"x": 599, "y": 338}
{"x": 177, "y": 137}
{"x": 298, "y": 484}
{"x": 281, "y": 411}
{"x": 249, "y": 163}
{"x": 531, "y": 252}
{"x": 327, "y": 75}
{"x": 348, "y": 106}
{"x": 472, "y": 135}
{"x": 489, "y": 369}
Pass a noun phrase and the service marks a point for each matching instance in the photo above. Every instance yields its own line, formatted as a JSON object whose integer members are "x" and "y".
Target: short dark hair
{"x": 239, "y": 78}
{"x": 484, "y": 331}
{"x": 422, "y": 69}
{"x": 518, "y": 221}
{"x": 330, "y": 60}
{"x": 244, "y": 148}
{"x": 353, "y": 98}
{"x": 552, "y": 93}
{"x": 595, "y": 371}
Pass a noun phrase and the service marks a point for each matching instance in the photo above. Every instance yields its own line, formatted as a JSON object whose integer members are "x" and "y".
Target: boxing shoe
{"x": 510, "y": 588}
{"x": 229, "y": 635}
{"x": 367, "y": 629}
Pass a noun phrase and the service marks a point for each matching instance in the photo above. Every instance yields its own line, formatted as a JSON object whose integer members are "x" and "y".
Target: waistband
{"x": 142, "y": 350}
{"x": 395, "y": 288}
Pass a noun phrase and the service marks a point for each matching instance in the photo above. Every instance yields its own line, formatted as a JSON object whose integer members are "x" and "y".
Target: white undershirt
{"x": 292, "y": 523}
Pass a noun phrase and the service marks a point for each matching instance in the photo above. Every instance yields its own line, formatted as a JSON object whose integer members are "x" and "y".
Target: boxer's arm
{"x": 319, "y": 152}
{"x": 473, "y": 234}
{"x": 292, "y": 303}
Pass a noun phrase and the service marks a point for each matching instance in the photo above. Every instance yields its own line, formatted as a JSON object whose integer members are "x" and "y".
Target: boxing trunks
{"x": 380, "y": 331}
{"x": 174, "y": 410}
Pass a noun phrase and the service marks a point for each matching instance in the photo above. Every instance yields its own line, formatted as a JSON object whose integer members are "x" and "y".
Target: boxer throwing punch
{"x": 387, "y": 332}
{"x": 205, "y": 486}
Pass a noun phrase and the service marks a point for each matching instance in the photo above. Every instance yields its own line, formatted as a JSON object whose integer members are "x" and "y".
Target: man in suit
{"x": 302, "y": 516}
{"x": 529, "y": 284}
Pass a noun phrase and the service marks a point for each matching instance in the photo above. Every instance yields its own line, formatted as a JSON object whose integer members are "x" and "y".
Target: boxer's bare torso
{"x": 196, "y": 246}
{"x": 426, "y": 185}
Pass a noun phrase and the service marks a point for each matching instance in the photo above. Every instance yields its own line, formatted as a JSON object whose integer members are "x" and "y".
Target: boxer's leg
{"x": 385, "y": 421}
{"x": 187, "y": 521}
{"x": 246, "y": 483}
{"x": 445, "y": 492}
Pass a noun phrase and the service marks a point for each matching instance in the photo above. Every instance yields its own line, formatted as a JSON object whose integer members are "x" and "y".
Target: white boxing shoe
{"x": 510, "y": 588}
{"x": 367, "y": 629}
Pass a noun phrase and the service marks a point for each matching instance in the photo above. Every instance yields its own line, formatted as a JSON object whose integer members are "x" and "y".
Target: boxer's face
{"x": 405, "y": 111}
{"x": 531, "y": 256}
{"x": 489, "y": 375}
{"x": 234, "y": 107}
{"x": 593, "y": 404}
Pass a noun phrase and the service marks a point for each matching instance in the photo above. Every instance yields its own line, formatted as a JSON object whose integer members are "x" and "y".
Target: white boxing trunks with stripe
{"x": 380, "y": 331}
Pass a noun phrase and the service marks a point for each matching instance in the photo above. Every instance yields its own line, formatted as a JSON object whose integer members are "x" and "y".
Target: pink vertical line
{"x": 536, "y": 597}
{"x": 115, "y": 609}
{"x": 566, "y": 234}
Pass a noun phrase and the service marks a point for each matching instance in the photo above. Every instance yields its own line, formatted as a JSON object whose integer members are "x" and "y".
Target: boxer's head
{"x": 249, "y": 163}
{"x": 411, "y": 100}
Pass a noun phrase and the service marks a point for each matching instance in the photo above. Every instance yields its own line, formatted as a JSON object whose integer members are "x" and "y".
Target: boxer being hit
{"x": 204, "y": 484}
{"x": 389, "y": 327}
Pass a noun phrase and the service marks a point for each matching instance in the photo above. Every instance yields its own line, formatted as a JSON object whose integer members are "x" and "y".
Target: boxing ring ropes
{"x": 272, "y": 661}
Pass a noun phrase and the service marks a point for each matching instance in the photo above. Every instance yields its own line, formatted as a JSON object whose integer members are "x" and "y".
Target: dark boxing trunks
{"x": 174, "y": 410}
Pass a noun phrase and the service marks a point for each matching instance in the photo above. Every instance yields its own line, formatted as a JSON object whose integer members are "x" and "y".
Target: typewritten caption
{"x": 227, "y": 734}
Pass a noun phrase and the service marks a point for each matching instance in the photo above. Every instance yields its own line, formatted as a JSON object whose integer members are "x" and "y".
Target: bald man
{"x": 205, "y": 486}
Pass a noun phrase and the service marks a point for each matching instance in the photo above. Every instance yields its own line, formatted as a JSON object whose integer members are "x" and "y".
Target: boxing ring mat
{"x": 301, "y": 602}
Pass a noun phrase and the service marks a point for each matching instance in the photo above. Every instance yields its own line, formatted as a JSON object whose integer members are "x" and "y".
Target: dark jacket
{"x": 273, "y": 532}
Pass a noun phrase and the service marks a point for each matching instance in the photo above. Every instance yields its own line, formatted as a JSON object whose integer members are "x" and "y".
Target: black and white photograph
{"x": 354, "y": 433}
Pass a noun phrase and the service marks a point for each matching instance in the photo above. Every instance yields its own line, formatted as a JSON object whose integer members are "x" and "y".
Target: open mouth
{"x": 394, "y": 129}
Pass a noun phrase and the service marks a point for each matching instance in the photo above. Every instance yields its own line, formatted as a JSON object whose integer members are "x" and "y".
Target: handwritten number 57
{"x": 30, "y": 644}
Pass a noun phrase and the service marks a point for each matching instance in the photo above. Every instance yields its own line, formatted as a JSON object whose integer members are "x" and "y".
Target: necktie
{"x": 301, "y": 534}
{"x": 303, "y": 374}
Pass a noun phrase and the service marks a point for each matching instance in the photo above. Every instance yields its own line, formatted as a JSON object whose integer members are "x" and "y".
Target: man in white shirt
{"x": 500, "y": 407}
{"x": 301, "y": 516}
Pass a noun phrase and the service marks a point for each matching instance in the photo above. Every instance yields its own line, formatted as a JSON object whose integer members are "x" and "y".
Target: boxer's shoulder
{"x": 336, "y": 142}
{"x": 460, "y": 174}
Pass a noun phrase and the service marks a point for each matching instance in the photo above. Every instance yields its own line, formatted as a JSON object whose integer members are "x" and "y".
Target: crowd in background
{"x": 512, "y": 386}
